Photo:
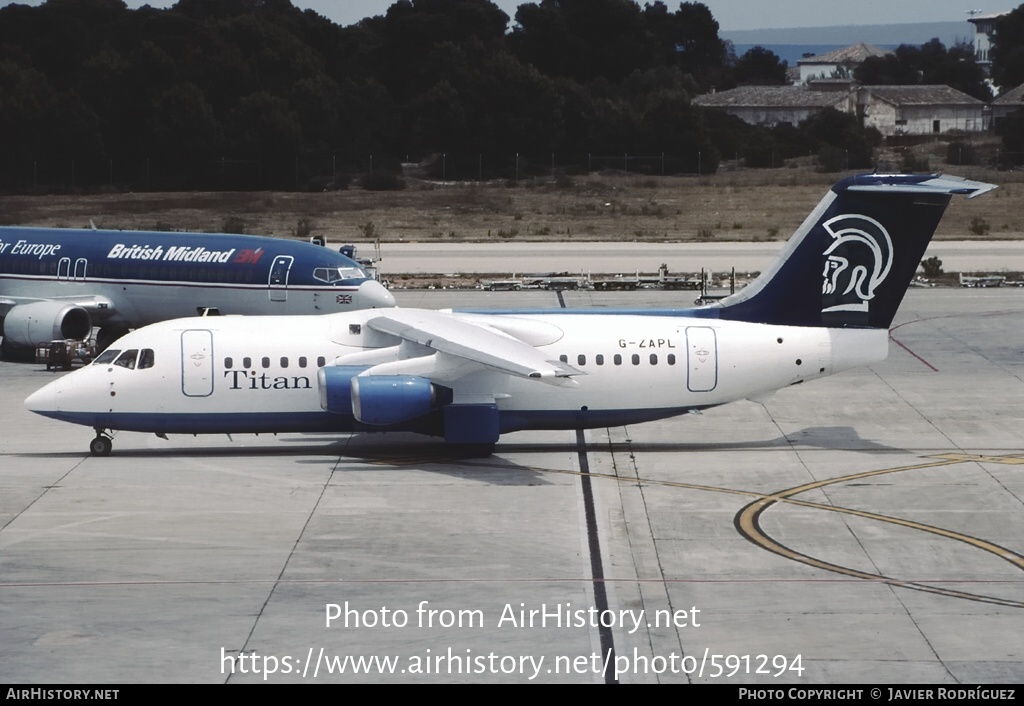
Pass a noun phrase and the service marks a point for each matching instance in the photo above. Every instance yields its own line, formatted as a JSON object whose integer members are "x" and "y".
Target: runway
{"x": 862, "y": 529}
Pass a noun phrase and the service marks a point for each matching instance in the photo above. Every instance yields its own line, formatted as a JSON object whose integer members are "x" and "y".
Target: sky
{"x": 730, "y": 14}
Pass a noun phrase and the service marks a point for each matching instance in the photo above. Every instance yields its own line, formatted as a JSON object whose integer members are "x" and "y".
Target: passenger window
{"x": 564, "y": 358}
{"x": 147, "y": 359}
{"x": 321, "y": 362}
{"x": 284, "y": 362}
{"x": 228, "y": 363}
{"x": 654, "y": 358}
{"x": 636, "y": 359}
{"x": 671, "y": 358}
{"x": 581, "y": 360}
{"x": 107, "y": 356}
{"x": 266, "y": 362}
{"x": 617, "y": 359}
{"x": 246, "y": 363}
{"x": 599, "y": 359}
{"x": 302, "y": 361}
{"x": 127, "y": 359}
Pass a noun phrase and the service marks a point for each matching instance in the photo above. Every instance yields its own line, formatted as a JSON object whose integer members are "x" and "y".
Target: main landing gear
{"x": 102, "y": 444}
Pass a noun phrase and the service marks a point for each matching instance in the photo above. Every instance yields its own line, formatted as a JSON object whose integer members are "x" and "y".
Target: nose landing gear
{"x": 101, "y": 445}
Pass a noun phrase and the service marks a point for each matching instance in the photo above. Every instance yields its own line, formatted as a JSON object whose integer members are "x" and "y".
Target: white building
{"x": 769, "y": 106}
{"x": 984, "y": 30}
{"x": 837, "y": 64}
{"x": 919, "y": 110}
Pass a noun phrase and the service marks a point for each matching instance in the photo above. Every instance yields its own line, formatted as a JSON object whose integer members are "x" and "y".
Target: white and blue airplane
{"x": 469, "y": 376}
{"x": 58, "y": 283}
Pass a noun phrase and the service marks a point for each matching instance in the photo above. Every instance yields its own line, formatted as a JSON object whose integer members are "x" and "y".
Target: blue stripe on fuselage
{"x": 297, "y": 422}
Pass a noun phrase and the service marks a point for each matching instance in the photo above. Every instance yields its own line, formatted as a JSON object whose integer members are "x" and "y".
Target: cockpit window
{"x": 147, "y": 359}
{"x": 107, "y": 356}
{"x": 127, "y": 359}
{"x": 337, "y": 274}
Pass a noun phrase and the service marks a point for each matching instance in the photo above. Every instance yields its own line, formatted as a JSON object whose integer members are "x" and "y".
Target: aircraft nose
{"x": 43, "y": 400}
{"x": 374, "y": 295}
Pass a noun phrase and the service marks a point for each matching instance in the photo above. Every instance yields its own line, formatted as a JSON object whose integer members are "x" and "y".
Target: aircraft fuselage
{"x": 261, "y": 375}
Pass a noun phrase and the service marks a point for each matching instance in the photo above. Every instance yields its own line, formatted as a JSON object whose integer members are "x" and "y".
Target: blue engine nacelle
{"x": 379, "y": 400}
{"x": 335, "y": 383}
{"x": 391, "y": 399}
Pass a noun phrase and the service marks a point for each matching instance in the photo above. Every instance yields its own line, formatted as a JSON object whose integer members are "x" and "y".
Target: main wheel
{"x": 101, "y": 446}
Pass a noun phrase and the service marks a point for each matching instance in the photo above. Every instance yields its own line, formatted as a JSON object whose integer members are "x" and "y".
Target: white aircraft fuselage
{"x": 234, "y": 374}
{"x": 825, "y": 306}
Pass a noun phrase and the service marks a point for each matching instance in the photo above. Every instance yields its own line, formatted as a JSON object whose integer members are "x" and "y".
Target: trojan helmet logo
{"x": 856, "y": 262}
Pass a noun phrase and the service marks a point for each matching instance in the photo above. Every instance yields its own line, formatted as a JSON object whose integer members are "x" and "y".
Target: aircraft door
{"x": 64, "y": 268}
{"x": 196, "y": 363}
{"x": 278, "y": 282}
{"x": 81, "y": 264}
{"x": 701, "y": 359}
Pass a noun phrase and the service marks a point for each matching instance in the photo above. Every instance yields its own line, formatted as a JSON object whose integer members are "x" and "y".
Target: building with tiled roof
{"x": 1008, "y": 102}
{"x": 837, "y": 64}
{"x": 771, "y": 105}
{"x": 919, "y": 110}
{"x": 892, "y": 110}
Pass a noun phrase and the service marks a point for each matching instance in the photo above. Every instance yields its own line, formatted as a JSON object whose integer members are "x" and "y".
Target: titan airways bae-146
{"x": 58, "y": 283}
{"x": 469, "y": 376}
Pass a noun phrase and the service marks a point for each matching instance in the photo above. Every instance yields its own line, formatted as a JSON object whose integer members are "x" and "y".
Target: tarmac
{"x": 867, "y": 528}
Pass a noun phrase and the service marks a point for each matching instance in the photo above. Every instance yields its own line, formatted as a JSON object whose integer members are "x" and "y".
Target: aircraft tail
{"x": 850, "y": 262}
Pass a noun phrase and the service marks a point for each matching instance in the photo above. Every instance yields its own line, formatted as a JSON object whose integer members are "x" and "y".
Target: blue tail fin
{"x": 852, "y": 259}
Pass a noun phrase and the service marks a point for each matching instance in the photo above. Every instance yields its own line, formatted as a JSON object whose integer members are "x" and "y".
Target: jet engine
{"x": 379, "y": 400}
{"x": 390, "y": 399}
{"x": 40, "y": 322}
{"x": 335, "y": 383}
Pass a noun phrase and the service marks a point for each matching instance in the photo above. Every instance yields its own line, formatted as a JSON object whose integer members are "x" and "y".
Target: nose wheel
{"x": 101, "y": 445}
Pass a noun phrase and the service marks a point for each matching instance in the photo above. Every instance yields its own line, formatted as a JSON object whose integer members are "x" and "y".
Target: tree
{"x": 930, "y": 64}
{"x": 932, "y": 267}
{"x": 849, "y": 146}
{"x": 184, "y": 126}
{"x": 262, "y": 126}
{"x": 1008, "y": 50}
{"x": 583, "y": 39}
{"x": 760, "y": 67}
{"x": 1011, "y": 129}
{"x": 688, "y": 39}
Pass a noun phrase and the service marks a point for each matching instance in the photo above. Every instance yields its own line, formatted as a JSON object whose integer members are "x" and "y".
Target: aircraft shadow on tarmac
{"x": 401, "y": 449}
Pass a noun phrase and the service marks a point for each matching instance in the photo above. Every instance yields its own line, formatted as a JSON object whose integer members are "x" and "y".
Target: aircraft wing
{"x": 471, "y": 341}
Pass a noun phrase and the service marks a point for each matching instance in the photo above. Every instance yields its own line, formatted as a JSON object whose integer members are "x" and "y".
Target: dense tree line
{"x": 259, "y": 94}
{"x": 932, "y": 63}
{"x": 1008, "y": 50}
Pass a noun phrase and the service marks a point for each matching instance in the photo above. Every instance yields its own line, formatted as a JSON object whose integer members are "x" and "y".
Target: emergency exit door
{"x": 197, "y": 363}
{"x": 278, "y": 282}
{"x": 701, "y": 359}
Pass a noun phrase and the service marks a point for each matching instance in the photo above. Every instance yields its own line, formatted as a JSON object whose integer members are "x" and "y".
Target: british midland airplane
{"x": 469, "y": 376}
{"x": 58, "y": 283}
